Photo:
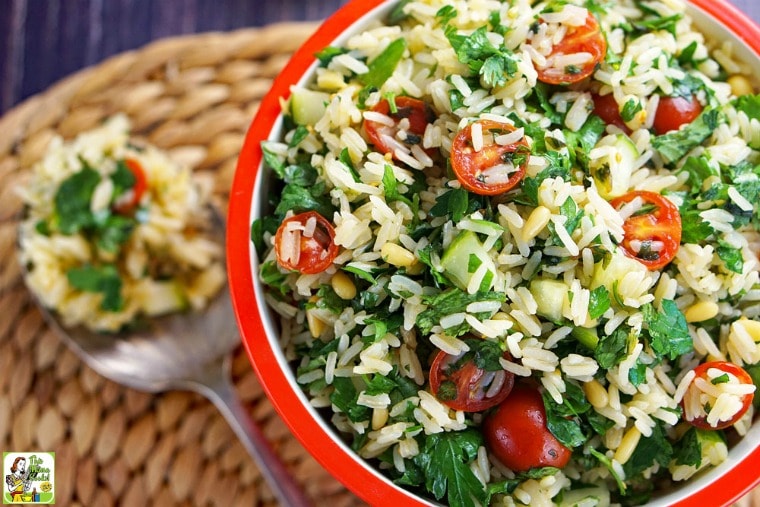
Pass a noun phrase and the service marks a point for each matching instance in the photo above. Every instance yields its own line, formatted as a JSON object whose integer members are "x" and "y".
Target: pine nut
{"x": 343, "y": 285}
{"x": 536, "y": 222}
{"x": 397, "y": 255}
{"x": 627, "y": 445}
{"x": 316, "y": 325}
{"x": 701, "y": 311}
{"x": 752, "y": 327}
{"x": 379, "y": 418}
{"x": 740, "y": 85}
{"x": 596, "y": 393}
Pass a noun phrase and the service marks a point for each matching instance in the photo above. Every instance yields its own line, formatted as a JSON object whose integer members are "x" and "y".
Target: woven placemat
{"x": 193, "y": 96}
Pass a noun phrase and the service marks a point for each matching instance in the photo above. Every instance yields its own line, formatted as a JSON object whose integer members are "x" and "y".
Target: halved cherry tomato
{"x": 652, "y": 235}
{"x": 579, "y": 39}
{"x": 131, "y": 198}
{"x": 516, "y": 433}
{"x": 672, "y": 112}
{"x": 385, "y": 138}
{"x": 308, "y": 254}
{"x": 606, "y": 108}
{"x": 460, "y": 384}
{"x": 495, "y": 168}
{"x": 701, "y": 371}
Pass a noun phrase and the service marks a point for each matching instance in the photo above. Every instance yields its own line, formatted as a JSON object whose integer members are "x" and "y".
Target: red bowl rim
{"x": 284, "y": 396}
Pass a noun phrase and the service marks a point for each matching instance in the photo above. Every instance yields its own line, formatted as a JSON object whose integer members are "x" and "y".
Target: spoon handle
{"x": 219, "y": 390}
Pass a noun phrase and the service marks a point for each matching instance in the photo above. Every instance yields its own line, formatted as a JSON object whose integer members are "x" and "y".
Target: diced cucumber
{"x": 586, "y": 336}
{"x": 612, "y": 172}
{"x": 551, "y": 297}
{"x": 159, "y": 298}
{"x": 615, "y": 269}
{"x": 594, "y": 496}
{"x": 308, "y": 106}
{"x": 462, "y": 258}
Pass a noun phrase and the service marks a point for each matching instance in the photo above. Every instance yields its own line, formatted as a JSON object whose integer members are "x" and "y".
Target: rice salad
{"x": 514, "y": 249}
{"x": 115, "y": 231}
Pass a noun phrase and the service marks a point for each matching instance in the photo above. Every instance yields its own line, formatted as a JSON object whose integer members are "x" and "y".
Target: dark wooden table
{"x": 42, "y": 41}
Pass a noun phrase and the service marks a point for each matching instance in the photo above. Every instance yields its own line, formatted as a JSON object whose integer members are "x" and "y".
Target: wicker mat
{"x": 193, "y": 96}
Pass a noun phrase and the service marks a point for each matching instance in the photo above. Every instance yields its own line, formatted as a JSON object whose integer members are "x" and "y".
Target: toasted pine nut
{"x": 740, "y": 85}
{"x": 316, "y": 325}
{"x": 701, "y": 311}
{"x": 379, "y": 418}
{"x": 397, "y": 255}
{"x": 343, "y": 285}
{"x": 596, "y": 393}
{"x": 752, "y": 327}
{"x": 536, "y": 222}
{"x": 627, "y": 445}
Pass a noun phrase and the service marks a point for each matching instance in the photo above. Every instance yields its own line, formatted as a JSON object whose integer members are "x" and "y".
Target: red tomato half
{"x": 736, "y": 371}
{"x": 606, "y": 108}
{"x": 495, "y": 168}
{"x": 672, "y": 112}
{"x": 131, "y": 198}
{"x": 385, "y": 138}
{"x": 517, "y": 435}
{"x": 464, "y": 386}
{"x": 580, "y": 39}
{"x": 653, "y": 235}
{"x": 308, "y": 254}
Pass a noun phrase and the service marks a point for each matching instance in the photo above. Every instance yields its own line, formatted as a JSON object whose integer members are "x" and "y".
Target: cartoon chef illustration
{"x": 18, "y": 480}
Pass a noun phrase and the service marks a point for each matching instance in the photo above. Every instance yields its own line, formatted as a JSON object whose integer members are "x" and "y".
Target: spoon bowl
{"x": 183, "y": 351}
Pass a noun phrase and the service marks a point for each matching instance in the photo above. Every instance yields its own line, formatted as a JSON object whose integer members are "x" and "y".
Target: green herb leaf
{"x": 732, "y": 257}
{"x": 326, "y": 55}
{"x": 298, "y": 199}
{"x": 599, "y": 302}
{"x": 383, "y": 65}
{"x": 630, "y": 108}
{"x": 72, "y": 201}
{"x": 345, "y": 396}
{"x": 673, "y": 146}
{"x": 653, "y": 449}
{"x": 668, "y": 332}
{"x": 114, "y": 232}
{"x": 450, "y": 301}
{"x": 612, "y": 349}
{"x": 454, "y": 202}
{"x": 445, "y": 460}
{"x": 104, "y": 279}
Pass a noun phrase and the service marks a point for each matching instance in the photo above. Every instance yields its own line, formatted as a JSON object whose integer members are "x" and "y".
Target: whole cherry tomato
{"x": 703, "y": 372}
{"x": 516, "y": 433}
{"x": 672, "y": 112}
{"x": 653, "y": 234}
{"x": 305, "y": 243}
{"x": 459, "y": 383}
{"x": 587, "y": 38}
{"x": 606, "y": 108}
{"x": 384, "y": 137}
{"x": 495, "y": 168}
{"x": 131, "y": 198}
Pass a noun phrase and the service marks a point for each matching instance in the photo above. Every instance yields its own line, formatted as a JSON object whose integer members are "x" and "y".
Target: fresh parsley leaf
{"x": 398, "y": 14}
{"x": 630, "y": 108}
{"x": 493, "y": 64}
{"x": 114, "y": 232}
{"x": 445, "y": 460}
{"x": 450, "y": 301}
{"x": 273, "y": 160}
{"x": 652, "y": 449}
{"x": 72, "y": 201}
{"x": 271, "y": 276}
{"x": 749, "y": 104}
{"x": 383, "y": 65}
{"x": 345, "y": 396}
{"x": 123, "y": 179}
{"x": 673, "y": 146}
{"x": 732, "y": 257}
{"x": 565, "y": 428}
{"x": 612, "y": 349}
{"x": 694, "y": 229}
{"x": 326, "y": 55}
{"x": 298, "y": 199}
{"x": 667, "y": 330}
{"x": 454, "y": 202}
{"x": 659, "y": 23}
{"x": 104, "y": 279}
{"x": 699, "y": 169}
{"x": 390, "y": 186}
{"x": 604, "y": 460}
{"x": 599, "y": 302}
{"x": 299, "y": 135}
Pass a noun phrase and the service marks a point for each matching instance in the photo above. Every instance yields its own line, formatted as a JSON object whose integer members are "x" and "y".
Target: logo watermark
{"x": 29, "y": 477}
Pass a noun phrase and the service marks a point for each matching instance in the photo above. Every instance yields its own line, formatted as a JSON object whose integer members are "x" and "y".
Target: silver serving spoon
{"x": 184, "y": 352}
